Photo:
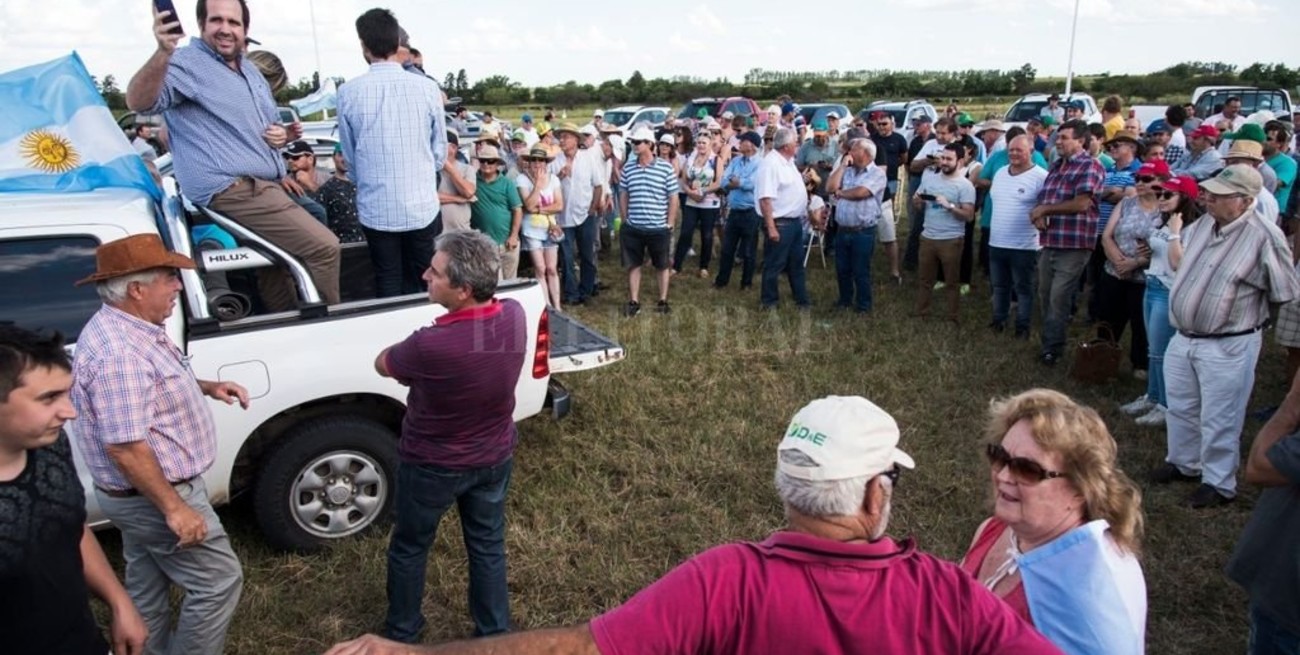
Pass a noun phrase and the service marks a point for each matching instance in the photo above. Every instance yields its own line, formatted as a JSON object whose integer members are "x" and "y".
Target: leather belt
{"x": 132, "y": 493}
{"x": 856, "y": 228}
{"x": 1222, "y": 335}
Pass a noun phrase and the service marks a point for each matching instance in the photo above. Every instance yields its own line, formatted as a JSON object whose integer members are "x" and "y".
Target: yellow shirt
{"x": 1113, "y": 126}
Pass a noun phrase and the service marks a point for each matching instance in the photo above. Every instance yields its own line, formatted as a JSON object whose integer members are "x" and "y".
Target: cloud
{"x": 682, "y": 44}
{"x": 704, "y": 19}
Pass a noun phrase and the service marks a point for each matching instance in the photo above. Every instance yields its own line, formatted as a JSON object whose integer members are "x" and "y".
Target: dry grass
{"x": 671, "y": 452}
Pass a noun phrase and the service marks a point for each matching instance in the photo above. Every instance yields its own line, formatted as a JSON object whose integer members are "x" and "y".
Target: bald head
{"x": 1020, "y": 151}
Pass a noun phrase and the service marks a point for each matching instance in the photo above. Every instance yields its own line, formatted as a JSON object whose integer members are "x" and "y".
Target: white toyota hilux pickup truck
{"x": 317, "y": 448}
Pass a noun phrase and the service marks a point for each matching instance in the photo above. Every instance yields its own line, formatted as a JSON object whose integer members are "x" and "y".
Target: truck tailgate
{"x": 576, "y": 347}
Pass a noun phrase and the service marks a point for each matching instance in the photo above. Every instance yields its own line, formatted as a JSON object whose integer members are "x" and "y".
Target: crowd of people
{"x": 1175, "y": 233}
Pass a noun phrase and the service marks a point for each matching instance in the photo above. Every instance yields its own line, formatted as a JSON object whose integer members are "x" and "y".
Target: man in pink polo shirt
{"x": 830, "y": 582}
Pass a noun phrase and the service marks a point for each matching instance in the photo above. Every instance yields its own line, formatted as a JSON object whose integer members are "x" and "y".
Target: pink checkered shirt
{"x": 130, "y": 382}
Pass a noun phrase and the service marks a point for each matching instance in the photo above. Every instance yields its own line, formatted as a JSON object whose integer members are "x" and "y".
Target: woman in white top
{"x": 543, "y": 201}
{"x": 1164, "y": 249}
{"x": 701, "y": 178}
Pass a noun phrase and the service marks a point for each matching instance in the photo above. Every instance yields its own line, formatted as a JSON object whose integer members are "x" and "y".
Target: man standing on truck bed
{"x": 225, "y": 133}
{"x": 148, "y": 437}
{"x": 458, "y": 436}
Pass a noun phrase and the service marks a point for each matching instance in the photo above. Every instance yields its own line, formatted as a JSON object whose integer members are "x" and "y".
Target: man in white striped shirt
{"x": 1235, "y": 262}
{"x": 649, "y": 208}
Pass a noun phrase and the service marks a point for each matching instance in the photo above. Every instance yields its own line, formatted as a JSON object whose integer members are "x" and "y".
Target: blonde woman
{"x": 543, "y": 201}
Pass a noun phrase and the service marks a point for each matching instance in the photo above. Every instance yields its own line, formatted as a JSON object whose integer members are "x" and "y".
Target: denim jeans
{"x": 739, "y": 234}
{"x": 313, "y": 207}
{"x": 583, "y": 238}
{"x": 1059, "y": 272}
{"x": 400, "y": 259}
{"x": 424, "y": 493}
{"x": 784, "y": 256}
{"x": 853, "y": 267}
{"x": 696, "y": 218}
{"x": 1269, "y": 638}
{"x": 1155, "y": 313}
{"x": 1009, "y": 270}
{"x": 209, "y": 573}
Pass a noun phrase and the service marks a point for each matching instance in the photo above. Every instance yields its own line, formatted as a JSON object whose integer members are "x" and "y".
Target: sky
{"x": 539, "y": 44}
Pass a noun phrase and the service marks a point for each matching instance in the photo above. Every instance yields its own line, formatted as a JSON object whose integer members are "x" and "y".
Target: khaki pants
{"x": 933, "y": 254}
{"x": 266, "y": 209}
{"x": 509, "y": 263}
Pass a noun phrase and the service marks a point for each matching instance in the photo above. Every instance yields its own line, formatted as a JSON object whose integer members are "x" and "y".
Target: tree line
{"x": 815, "y": 86}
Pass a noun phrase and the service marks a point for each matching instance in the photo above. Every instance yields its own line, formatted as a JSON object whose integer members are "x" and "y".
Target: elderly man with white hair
{"x": 831, "y": 581}
{"x": 857, "y": 187}
{"x": 783, "y": 203}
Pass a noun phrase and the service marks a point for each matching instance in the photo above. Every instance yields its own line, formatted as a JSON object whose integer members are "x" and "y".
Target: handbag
{"x": 1097, "y": 360}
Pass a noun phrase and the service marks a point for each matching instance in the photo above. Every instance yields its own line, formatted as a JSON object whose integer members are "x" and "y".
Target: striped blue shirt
{"x": 865, "y": 212}
{"x": 215, "y": 120}
{"x": 744, "y": 169}
{"x": 648, "y": 190}
{"x": 394, "y": 138}
{"x": 1122, "y": 178}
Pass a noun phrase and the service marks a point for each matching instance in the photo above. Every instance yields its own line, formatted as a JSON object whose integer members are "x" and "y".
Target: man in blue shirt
{"x": 225, "y": 135}
{"x": 741, "y": 229}
{"x": 394, "y": 137}
{"x": 649, "y": 208}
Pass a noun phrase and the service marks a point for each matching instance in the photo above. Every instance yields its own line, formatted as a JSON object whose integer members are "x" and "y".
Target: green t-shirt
{"x": 492, "y": 214}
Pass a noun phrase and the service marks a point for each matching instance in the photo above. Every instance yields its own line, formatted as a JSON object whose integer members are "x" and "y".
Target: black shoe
{"x": 1207, "y": 496}
{"x": 998, "y": 328}
{"x": 1049, "y": 359}
{"x": 663, "y": 307}
{"x": 1166, "y": 473}
{"x": 896, "y": 279}
{"x": 1022, "y": 334}
{"x": 633, "y": 308}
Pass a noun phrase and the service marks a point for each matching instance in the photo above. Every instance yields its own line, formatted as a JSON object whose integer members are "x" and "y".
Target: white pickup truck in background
{"x": 317, "y": 448}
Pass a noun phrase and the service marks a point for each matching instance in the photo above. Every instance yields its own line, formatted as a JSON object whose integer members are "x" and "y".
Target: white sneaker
{"x": 1138, "y": 407}
{"x": 1153, "y": 418}
{"x": 1139, "y": 374}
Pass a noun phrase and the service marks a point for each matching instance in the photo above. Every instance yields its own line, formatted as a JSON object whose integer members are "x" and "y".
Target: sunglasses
{"x": 640, "y": 142}
{"x": 1168, "y": 195}
{"x": 893, "y": 474}
{"x": 1145, "y": 179}
{"x": 1023, "y": 469}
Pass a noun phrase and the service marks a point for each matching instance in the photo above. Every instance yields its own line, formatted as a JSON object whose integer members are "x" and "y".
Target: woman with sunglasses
{"x": 543, "y": 201}
{"x": 701, "y": 177}
{"x": 1164, "y": 249}
{"x": 1121, "y": 288}
{"x": 1062, "y": 545}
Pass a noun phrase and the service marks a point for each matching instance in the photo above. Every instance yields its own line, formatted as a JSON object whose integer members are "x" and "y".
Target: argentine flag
{"x": 57, "y": 134}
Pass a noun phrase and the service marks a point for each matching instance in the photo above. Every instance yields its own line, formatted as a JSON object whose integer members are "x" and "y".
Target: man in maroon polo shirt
{"x": 458, "y": 436}
{"x": 830, "y": 582}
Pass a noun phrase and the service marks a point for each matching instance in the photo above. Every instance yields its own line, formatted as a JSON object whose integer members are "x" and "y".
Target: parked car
{"x": 1147, "y": 114}
{"x": 627, "y": 116}
{"x": 1209, "y": 100}
{"x": 902, "y": 112}
{"x": 316, "y": 451}
{"x": 818, "y": 111}
{"x": 737, "y": 105}
{"x": 1032, "y": 105}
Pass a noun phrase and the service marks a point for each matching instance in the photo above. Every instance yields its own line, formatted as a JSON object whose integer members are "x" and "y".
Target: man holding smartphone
{"x": 225, "y": 137}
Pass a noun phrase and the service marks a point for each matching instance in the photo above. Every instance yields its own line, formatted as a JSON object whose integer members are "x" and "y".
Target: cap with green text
{"x": 841, "y": 437}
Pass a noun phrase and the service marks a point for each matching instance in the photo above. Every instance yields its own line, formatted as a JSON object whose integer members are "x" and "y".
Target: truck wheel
{"x": 329, "y": 478}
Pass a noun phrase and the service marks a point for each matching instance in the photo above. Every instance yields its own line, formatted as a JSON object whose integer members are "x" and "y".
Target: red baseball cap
{"x": 1157, "y": 168}
{"x": 1206, "y": 130}
{"x": 1184, "y": 184}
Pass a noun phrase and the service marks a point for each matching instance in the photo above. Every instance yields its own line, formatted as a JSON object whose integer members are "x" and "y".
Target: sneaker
{"x": 1153, "y": 418}
{"x": 1166, "y": 473}
{"x": 663, "y": 307}
{"x": 1049, "y": 359}
{"x": 1140, "y": 374}
{"x": 965, "y": 289}
{"x": 633, "y": 308}
{"x": 938, "y": 285}
{"x": 1206, "y": 496}
{"x": 704, "y": 273}
{"x": 896, "y": 279}
{"x": 690, "y": 253}
{"x": 1138, "y": 407}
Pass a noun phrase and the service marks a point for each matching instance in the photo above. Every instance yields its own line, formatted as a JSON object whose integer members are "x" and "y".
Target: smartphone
{"x": 926, "y": 196}
{"x": 166, "y": 5}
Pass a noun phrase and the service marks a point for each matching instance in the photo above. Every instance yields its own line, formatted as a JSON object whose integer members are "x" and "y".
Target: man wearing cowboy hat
{"x": 1236, "y": 262}
{"x": 148, "y": 436}
{"x": 497, "y": 211}
{"x": 396, "y": 150}
{"x": 581, "y": 173}
{"x": 1253, "y": 132}
{"x": 1251, "y": 153}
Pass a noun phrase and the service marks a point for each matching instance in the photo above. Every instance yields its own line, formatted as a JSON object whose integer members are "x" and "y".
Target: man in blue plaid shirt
{"x": 1066, "y": 218}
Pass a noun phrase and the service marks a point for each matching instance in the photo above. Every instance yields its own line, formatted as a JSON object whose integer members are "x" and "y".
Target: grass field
{"x": 671, "y": 452}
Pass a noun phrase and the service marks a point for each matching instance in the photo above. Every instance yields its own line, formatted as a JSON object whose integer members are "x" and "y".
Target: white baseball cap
{"x": 599, "y": 113}
{"x": 832, "y": 114}
{"x": 588, "y": 130}
{"x": 844, "y": 437}
{"x": 669, "y": 139}
{"x": 642, "y": 133}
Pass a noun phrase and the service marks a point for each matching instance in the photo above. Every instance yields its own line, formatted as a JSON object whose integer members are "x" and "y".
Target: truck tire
{"x": 329, "y": 478}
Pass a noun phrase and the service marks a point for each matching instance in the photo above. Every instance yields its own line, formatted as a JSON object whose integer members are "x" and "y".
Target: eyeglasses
{"x": 1168, "y": 195}
{"x": 1145, "y": 179}
{"x": 1023, "y": 469}
{"x": 639, "y": 142}
{"x": 893, "y": 474}
{"x": 488, "y": 162}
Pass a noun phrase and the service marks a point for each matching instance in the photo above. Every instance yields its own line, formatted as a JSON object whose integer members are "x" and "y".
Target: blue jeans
{"x": 584, "y": 238}
{"x": 853, "y": 266}
{"x": 784, "y": 256}
{"x": 740, "y": 233}
{"x": 1059, "y": 272}
{"x": 1013, "y": 270}
{"x": 1269, "y": 638}
{"x": 1155, "y": 313}
{"x": 424, "y": 493}
{"x": 696, "y": 218}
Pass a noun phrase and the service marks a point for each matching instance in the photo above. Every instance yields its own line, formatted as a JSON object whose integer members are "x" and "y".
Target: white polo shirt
{"x": 779, "y": 179}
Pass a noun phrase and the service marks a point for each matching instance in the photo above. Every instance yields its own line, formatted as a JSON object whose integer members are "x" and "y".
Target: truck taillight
{"x": 542, "y": 356}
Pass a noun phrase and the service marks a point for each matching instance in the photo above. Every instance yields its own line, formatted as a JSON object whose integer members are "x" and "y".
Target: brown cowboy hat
{"x": 136, "y": 253}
